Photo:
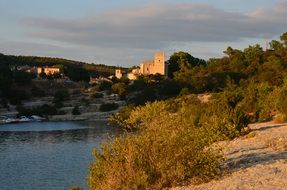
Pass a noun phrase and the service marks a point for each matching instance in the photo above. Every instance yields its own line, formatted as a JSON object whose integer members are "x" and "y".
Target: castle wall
{"x": 155, "y": 66}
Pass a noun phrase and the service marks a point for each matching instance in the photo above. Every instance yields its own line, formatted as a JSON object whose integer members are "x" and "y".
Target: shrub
{"x": 171, "y": 144}
{"x": 121, "y": 116}
{"x": 223, "y": 123}
{"x": 166, "y": 151}
{"x": 281, "y": 101}
{"x": 184, "y": 91}
{"x": 105, "y": 85}
{"x": 4, "y": 103}
{"x": 61, "y": 95}
{"x": 40, "y": 110}
{"x": 75, "y": 188}
{"x": 108, "y": 107}
{"x": 97, "y": 95}
{"x": 85, "y": 101}
{"x": 121, "y": 89}
{"x": 144, "y": 114}
{"x": 17, "y": 96}
{"x": 22, "y": 77}
{"x": 37, "y": 92}
{"x": 76, "y": 111}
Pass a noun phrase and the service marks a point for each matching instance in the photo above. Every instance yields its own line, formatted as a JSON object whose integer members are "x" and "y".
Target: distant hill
{"x": 94, "y": 69}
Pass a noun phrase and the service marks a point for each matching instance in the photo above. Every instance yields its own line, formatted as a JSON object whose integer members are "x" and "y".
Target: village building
{"x": 119, "y": 73}
{"x": 150, "y": 67}
{"x": 25, "y": 68}
{"x": 48, "y": 70}
{"x": 133, "y": 75}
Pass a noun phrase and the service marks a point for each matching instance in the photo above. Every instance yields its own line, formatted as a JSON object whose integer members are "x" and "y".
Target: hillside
{"x": 257, "y": 161}
{"x": 96, "y": 69}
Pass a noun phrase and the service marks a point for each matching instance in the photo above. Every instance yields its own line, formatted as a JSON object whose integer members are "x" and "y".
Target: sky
{"x": 126, "y": 32}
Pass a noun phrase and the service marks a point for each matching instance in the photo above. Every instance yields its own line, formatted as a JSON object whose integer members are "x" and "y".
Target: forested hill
{"x": 96, "y": 69}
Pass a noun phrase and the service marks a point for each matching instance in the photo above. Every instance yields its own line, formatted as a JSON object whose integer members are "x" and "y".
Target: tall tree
{"x": 182, "y": 61}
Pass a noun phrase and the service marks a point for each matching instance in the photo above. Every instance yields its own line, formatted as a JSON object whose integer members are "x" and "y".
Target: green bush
{"x": 17, "y": 96}
{"x": 108, "y": 107}
{"x": 281, "y": 101}
{"x": 121, "y": 89}
{"x": 105, "y": 85}
{"x": 75, "y": 188}
{"x": 184, "y": 91}
{"x": 76, "y": 111}
{"x": 43, "y": 110}
{"x": 22, "y": 77}
{"x": 61, "y": 95}
{"x": 171, "y": 145}
{"x": 121, "y": 117}
{"x": 85, "y": 101}
{"x": 37, "y": 92}
{"x": 164, "y": 153}
{"x": 97, "y": 95}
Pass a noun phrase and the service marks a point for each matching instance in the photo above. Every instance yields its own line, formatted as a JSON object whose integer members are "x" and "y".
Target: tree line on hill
{"x": 75, "y": 70}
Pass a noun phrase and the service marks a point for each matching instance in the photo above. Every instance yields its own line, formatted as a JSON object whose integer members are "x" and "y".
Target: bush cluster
{"x": 43, "y": 110}
{"x": 108, "y": 107}
{"x": 171, "y": 144}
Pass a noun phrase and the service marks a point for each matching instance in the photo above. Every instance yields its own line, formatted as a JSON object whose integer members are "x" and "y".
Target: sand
{"x": 256, "y": 161}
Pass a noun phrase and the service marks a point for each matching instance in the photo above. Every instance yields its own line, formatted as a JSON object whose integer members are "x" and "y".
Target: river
{"x": 48, "y": 155}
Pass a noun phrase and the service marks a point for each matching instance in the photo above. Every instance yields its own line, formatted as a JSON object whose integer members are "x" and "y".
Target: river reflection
{"x": 48, "y": 155}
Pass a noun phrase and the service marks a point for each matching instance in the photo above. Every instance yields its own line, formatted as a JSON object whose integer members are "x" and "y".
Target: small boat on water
{"x": 3, "y": 119}
{"x": 37, "y": 118}
{"x": 11, "y": 120}
{"x": 33, "y": 118}
{"x": 24, "y": 119}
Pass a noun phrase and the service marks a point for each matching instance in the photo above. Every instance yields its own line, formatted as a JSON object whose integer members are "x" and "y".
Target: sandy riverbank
{"x": 256, "y": 161}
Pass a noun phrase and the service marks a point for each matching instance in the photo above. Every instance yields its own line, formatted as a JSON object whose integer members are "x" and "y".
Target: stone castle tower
{"x": 155, "y": 66}
{"x": 159, "y": 63}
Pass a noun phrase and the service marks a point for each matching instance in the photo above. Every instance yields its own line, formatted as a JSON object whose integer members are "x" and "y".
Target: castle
{"x": 150, "y": 67}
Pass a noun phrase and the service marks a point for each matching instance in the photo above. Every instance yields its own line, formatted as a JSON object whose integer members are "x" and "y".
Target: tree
{"x": 283, "y": 38}
{"x": 78, "y": 74}
{"x": 76, "y": 111}
{"x": 5, "y": 80}
{"x": 121, "y": 89}
{"x": 22, "y": 77}
{"x": 106, "y": 107}
{"x": 253, "y": 54}
{"x": 105, "y": 85}
{"x": 236, "y": 59}
{"x": 181, "y": 61}
{"x": 60, "y": 96}
{"x": 275, "y": 45}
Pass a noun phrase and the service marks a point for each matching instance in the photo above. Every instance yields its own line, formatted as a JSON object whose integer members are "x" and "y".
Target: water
{"x": 48, "y": 155}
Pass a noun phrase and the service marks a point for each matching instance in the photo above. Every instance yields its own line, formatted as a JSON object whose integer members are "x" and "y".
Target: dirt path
{"x": 257, "y": 161}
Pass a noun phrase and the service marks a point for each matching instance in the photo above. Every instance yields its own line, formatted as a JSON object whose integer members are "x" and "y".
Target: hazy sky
{"x": 125, "y": 32}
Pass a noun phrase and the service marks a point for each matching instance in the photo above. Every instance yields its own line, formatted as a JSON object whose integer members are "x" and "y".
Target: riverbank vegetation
{"x": 171, "y": 139}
